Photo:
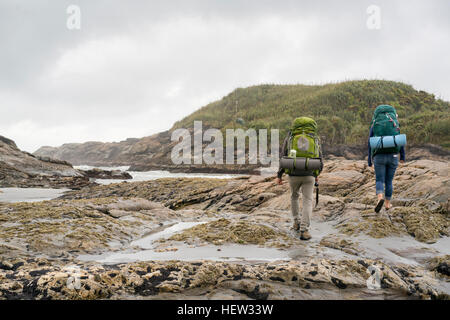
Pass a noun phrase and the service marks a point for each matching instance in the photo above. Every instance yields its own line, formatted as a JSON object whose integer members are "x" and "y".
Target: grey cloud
{"x": 136, "y": 67}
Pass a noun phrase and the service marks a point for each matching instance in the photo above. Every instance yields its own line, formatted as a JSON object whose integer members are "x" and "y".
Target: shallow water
{"x": 391, "y": 250}
{"x": 86, "y": 167}
{"x": 229, "y": 252}
{"x": 145, "y": 248}
{"x": 29, "y": 194}
{"x": 147, "y": 242}
{"x": 403, "y": 249}
{"x": 42, "y": 194}
{"x": 155, "y": 174}
{"x": 394, "y": 249}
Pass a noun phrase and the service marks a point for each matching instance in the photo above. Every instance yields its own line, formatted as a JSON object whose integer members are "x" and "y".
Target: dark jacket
{"x": 369, "y": 158}
{"x": 284, "y": 152}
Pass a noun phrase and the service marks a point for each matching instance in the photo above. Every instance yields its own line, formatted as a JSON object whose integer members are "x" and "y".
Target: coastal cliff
{"x": 22, "y": 169}
{"x": 343, "y": 112}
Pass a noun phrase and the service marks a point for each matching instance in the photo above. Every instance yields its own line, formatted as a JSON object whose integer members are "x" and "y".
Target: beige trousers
{"x": 307, "y": 185}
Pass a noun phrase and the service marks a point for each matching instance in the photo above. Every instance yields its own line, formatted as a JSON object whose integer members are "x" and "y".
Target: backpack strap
{"x": 289, "y": 142}
{"x": 391, "y": 120}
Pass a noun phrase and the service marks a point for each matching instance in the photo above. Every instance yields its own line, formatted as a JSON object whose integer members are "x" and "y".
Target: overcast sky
{"x": 136, "y": 67}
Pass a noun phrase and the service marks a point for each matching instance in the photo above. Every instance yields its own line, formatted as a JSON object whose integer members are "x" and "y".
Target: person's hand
{"x": 279, "y": 181}
{"x": 402, "y": 161}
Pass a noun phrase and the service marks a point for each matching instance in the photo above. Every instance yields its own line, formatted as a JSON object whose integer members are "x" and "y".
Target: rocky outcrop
{"x": 421, "y": 183}
{"x": 61, "y": 228}
{"x": 46, "y": 279}
{"x": 71, "y": 238}
{"x": 97, "y": 173}
{"x": 22, "y": 169}
{"x": 127, "y": 152}
{"x": 145, "y": 154}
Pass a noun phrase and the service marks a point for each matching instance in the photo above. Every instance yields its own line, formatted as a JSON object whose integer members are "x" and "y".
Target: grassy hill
{"x": 343, "y": 110}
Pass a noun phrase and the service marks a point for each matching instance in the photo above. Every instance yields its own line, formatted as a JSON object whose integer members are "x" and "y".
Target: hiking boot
{"x": 296, "y": 225}
{"x": 305, "y": 235}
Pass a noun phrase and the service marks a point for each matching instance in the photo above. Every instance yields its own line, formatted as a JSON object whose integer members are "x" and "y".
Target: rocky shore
{"x": 181, "y": 238}
{"x": 314, "y": 279}
{"x": 22, "y": 169}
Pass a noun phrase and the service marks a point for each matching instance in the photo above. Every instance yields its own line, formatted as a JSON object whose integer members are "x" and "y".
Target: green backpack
{"x": 304, "y": 140}
{"x": 385, "y": 123}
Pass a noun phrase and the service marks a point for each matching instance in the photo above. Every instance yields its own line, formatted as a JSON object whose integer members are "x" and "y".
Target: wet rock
{"x": 124, "y": 207}
{"x": 225, "y": 231}
{"x": 424, "y": 225}
{"x": 440, "y": 265}
{"x": 22, "y": 169}
{"x": 372, "y": 225}
{"x": 443, "y": 268}
{"x": 6, "y": 265}
{"x": 97, "y": 173}
{"x": 256, "y": 281}
{"x": 115, "y": 213}
{"x": 252, "y": 289}
{"x": 340, "y": 243}
{"x": 329, "y": 208}
{"x": 250, "y": 210}
{"x": 71, "y": 227}
{"x": 349, "y": 179}
{"x": 174, "y": 193}
{"x": 338, "y": 182}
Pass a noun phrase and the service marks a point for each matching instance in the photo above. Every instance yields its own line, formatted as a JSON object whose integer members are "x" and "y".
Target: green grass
{"x": 343, "y": 110}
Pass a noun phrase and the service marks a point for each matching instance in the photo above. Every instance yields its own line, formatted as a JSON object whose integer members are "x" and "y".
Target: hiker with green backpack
{"x": 301, "y": 159}
{"x": 385, "y": 142}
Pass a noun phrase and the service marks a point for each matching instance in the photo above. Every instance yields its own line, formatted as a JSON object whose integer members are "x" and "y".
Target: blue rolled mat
{"x": 388, "y": 141}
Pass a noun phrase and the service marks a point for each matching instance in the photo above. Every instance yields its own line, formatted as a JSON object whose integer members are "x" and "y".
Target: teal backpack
{"x": 385, "y": 123}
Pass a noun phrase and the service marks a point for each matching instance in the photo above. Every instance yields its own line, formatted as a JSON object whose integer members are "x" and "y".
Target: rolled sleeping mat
{"x": 310, "y": 164}
{"x": 287, "y": 163}
{"x": 300, "y": 164}
{"x": 388, "y": 141}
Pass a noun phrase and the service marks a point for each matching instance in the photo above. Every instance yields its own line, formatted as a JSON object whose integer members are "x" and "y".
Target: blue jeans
{"x": 385, "y": 165}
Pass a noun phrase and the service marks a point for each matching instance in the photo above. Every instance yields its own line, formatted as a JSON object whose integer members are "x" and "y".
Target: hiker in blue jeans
{"x": 385, "y": 165}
